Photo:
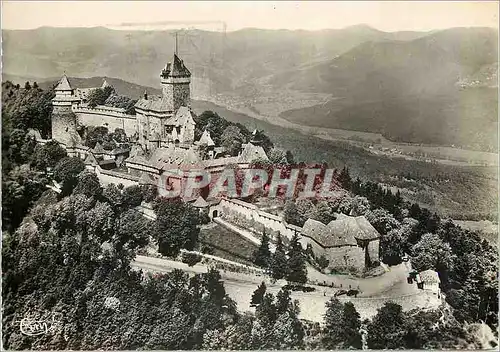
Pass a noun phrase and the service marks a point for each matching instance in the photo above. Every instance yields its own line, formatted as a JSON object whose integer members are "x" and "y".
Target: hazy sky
{"x": 387, "y": 16}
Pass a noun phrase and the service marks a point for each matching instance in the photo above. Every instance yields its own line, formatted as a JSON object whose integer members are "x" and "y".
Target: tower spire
{"x": 176, "y": 34}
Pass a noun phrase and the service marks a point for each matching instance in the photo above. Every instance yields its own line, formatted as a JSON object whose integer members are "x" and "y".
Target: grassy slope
{"x": 227, "y": 244}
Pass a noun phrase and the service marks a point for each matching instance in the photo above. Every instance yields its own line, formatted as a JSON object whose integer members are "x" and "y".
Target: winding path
{"x": 376, "y": 291}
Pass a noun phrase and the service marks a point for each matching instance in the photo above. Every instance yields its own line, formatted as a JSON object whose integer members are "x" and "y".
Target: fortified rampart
{"x": 349, "y": 257}
{"x": 106, "y": 116}
{"x": 110, "y": 176}
{"x": 250, "y": 216}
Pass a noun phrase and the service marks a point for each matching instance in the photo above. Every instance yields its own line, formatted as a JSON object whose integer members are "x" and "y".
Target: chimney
{"x": 145, "y": 95}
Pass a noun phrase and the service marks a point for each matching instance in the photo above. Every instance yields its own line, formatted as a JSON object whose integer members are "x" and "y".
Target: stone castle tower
{"x": 63, "y": 118}
{"x": 175, "y": 80}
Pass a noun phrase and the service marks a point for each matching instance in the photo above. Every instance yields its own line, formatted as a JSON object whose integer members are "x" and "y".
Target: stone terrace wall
{"x": 106, "y": 116}
{"x": 249, "y": 215}
{"x": 373, "y": 251}
{"x": 109, "y": 176}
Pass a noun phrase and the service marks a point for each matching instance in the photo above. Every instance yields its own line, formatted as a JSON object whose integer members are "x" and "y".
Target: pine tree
{"x": 351, "y": 325}
{"x": 332, "y": 331}
{"x": 283, "y": 301}
{"x": 387, "y": 330}
{"x": 266, "y": 310}
{"x": 288, "y": 332}
{"x": 345, "y": 178}
{"x": 279, "y": 261}
{"x": 309, "y": 252}
{"x": 27, "y": 85}
{"x": 297, "y": 271}
{"x": 262, "y": 256}
{"x": 35, "y": 85}
{"x": 258, "y": 294}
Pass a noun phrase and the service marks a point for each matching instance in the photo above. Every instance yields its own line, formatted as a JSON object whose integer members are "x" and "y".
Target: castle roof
{"x": 137, "y": 156}
{"x": 175, "y": 158}
{"x": 182, "y": 117}
{"x": 107, "y": 163}
{"x": 98, "y": 149}
{"x": 156, "y": 104}
{"x": 206, "y": 139}
{"x": 363, "y": 229}
{"x": 345, "y": 231}
{"x": 430, "y": 277}
{"x": 176, "y": 68}
{"x": 200, "y": 203}
{"x": 118, "y": 151}
{"x": 251, "y": 152}
{"x": 90, "y": 159}
{"x": 221, "y": 161}
{"x": 138, "y": 159}
{"x": 146, "y": 179}
{"x": 314, "y": 229}
{"x": 63, "y": 84}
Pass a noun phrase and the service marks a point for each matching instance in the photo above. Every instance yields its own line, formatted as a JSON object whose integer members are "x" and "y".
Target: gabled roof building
{"x": 350, "y": 243}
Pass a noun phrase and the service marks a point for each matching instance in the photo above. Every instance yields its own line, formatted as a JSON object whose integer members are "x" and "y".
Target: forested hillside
{"x": 66, "y": 261}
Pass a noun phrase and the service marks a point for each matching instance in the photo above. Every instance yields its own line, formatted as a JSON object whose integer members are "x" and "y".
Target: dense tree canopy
{"x": 98, "y": 96}
{"x": 342, "y": 326}
{"x": 176, "y": 225}
{"x": 67, "y": 256}
{"x": 121, "y": 101}
{"x": 232, "y": 139}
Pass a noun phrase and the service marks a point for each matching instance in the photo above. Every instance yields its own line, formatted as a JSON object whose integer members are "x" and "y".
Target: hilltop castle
{"x": 162, "y": 143}
{"x": 162, "y": 132}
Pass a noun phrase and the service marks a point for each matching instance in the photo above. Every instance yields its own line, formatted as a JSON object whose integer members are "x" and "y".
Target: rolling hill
{"x": 438, "y": 89}
{"x": 223, "y": 61}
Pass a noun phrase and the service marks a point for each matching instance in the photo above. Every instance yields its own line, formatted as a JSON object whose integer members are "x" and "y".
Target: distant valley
{"x": 437, "y": 88}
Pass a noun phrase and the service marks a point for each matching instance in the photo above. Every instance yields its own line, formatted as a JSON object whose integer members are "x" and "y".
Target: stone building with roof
{"x": 429, "y": 280}
{"x": 351, "y": 244}
{"x": 167, "y": 119}
{"x": 63, "y": 118}
{"x": 163, "y": 126}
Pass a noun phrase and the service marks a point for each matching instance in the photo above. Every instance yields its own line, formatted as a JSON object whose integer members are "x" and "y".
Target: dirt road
{"x": 376, "y": 291}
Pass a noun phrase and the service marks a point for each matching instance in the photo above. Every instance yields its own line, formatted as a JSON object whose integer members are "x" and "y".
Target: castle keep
{"x": 167, "y": 119}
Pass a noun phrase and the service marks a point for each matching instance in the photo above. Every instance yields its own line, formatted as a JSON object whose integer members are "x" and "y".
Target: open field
{"x": 227, "y": 244}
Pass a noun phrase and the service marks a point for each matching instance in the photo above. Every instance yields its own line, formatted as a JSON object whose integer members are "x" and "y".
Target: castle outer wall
{"x": 347, "y": 258}
{"x": 111, "y": 118}
{"x": 63, "y": 124}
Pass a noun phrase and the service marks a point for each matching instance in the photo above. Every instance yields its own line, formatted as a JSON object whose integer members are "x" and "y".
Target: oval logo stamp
{"x": 32, "y": 327}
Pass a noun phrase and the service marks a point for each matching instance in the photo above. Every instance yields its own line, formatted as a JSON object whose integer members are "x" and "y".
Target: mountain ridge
{"x": 405, "y": 85}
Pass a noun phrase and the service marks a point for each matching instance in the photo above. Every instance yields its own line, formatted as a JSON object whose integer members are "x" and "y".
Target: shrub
{"x": 191, "y": 259}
